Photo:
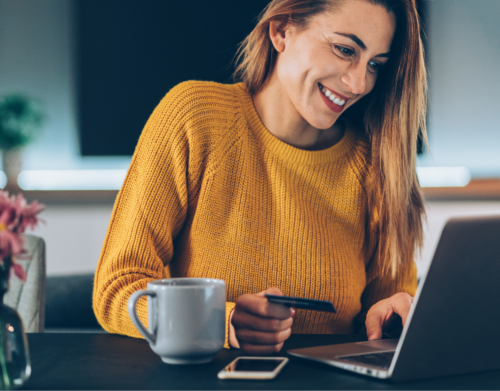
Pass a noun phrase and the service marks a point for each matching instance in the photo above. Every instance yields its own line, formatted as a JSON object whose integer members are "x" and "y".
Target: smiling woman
{"x": 300, "y": 179}
{"x": 343, "y": 46}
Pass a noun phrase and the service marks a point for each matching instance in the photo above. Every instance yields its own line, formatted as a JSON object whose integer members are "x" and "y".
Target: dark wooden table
{"x": 107, "y": 361}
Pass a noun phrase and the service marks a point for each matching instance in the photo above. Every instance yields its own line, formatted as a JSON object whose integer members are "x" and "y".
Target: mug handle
{"x": 132, "y": 312}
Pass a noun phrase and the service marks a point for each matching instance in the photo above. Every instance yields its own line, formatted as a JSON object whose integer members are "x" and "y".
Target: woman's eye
{"x": 345, "y": 51}
{"x": 377, "y": 67}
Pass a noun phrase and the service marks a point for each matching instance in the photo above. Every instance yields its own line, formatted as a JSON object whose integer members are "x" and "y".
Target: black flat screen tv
{"x": 130, "y": 53}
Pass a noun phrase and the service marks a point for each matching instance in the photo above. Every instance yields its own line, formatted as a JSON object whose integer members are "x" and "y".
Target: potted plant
{"x": 20, "y": 117}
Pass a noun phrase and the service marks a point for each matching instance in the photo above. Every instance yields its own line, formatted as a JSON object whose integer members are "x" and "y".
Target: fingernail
{"x": 293, "y": 312}
{"x": 370, "y": 337}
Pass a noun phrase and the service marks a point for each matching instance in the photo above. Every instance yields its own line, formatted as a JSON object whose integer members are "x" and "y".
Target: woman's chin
{"x": 322, "y": 123}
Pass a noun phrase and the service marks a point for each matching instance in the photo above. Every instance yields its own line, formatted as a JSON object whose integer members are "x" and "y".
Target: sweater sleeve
{"x": 151, "y": 208}
{"x": 148, "y": 214}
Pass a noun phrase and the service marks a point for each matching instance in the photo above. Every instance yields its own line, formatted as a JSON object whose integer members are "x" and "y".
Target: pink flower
{"x": 28, "y": 215}
{"x": 8, "y": 216}
{"x": 16, "y": 215}
{"x": 10, "y": 243}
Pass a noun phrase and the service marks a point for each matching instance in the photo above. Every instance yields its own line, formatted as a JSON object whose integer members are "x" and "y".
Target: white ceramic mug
{"x": 186, "y": 316}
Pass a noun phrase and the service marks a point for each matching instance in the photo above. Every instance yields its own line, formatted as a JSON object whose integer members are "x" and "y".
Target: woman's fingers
{"x": 258, "y": 326}
{"x": 246, "y": 320}
{"x": 260, "y": 306}
{"x": 247, "y": 336}
{"x": 260, "y": 350}
{"x": 402, "y": 304}
{"x": 373, "y": 325}
{"x": 270, "y": 291}
{"x": 383, "y": 312}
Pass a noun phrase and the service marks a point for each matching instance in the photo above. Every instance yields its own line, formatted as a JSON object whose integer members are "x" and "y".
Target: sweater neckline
{"x": 288, "y": 152}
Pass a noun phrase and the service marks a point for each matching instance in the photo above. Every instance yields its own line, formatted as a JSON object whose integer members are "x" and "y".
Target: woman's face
{"x": 334, "y": 62}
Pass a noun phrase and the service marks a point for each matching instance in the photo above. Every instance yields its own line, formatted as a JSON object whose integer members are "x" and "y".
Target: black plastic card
{"x": 299, "y": 302}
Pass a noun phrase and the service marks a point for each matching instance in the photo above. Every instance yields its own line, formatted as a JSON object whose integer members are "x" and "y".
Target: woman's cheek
{"x": 291, "y": 79}
{"x": 370, "y": 83}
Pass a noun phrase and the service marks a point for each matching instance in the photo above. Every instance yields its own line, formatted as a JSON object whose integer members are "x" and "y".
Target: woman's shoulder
{"x": 192, "y": 120}
{"x": 200, "y": 102}
{"x": 194, "y": 93}
{"x": 195, "y": 105}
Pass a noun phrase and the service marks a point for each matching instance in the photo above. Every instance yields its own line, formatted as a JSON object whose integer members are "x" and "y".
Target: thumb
{"x": 270, "y": 291}
{"x": 373, "y": 327}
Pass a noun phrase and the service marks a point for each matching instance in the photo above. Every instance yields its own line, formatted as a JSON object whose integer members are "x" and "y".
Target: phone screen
{"x": 254, "y": 365}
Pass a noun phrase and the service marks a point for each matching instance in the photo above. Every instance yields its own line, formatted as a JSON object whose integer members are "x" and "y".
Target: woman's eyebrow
{"x": 354, "y": 38}
{"x": 359, "y": 42}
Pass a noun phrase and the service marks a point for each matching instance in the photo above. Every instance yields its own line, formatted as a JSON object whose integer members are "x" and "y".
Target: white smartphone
{"x": 253, "y": 368}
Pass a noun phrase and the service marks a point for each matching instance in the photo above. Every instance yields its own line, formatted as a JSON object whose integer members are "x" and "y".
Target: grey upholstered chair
{"x": 29, "y": 298}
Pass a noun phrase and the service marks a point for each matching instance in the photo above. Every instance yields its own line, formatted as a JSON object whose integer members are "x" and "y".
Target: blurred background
{"x": 97, "y": 69}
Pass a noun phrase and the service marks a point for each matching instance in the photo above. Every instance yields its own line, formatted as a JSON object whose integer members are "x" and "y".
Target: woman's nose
{"x": 355, "y": 79}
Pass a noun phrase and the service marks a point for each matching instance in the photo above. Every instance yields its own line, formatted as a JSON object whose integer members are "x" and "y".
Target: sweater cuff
{"x": 229, "y": 309}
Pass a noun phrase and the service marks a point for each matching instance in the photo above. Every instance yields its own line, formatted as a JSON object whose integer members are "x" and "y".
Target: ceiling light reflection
{"x": 71, "y": 179}
{"x": 443, "y": 176}
{"x": 113, "y": 179}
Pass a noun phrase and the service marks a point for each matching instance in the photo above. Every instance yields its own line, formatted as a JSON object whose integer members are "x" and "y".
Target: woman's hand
{"x": 383, "y": 312}
{"x": 258, "y": 326}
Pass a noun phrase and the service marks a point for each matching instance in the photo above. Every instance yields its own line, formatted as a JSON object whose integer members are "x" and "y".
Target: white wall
{"x": 74, "y": 236}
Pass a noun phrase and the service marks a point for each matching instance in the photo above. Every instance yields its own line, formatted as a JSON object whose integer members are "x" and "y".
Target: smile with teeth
{"x": 331, "y": 96}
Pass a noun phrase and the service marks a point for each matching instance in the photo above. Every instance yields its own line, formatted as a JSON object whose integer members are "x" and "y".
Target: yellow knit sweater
{"x": 211, "y": 193}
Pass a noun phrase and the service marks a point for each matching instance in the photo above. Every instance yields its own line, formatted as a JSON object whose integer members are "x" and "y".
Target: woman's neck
{"x": 283, "y": 121}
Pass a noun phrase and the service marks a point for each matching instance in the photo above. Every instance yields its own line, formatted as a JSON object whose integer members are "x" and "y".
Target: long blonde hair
{"x": 393, "y": 115}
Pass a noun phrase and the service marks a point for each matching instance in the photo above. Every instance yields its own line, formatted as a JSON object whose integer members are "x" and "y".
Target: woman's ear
{"x": 278, "y": 32}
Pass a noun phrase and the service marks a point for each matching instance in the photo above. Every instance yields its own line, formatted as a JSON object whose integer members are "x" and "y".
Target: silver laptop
{"x": 454, "y": 324}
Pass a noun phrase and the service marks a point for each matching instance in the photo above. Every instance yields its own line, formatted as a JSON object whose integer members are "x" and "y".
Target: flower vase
{"x": 15, "y": 366}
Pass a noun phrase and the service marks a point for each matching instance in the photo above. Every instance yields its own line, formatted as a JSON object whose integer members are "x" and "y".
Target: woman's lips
{"x": 333, "y": 100}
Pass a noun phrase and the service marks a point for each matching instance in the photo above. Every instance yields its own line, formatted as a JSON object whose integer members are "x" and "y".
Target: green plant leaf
{"x": 20, "y": 119}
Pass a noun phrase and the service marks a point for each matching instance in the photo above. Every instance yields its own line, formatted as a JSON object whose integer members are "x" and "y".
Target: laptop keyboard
{"x": 381, "y": 360}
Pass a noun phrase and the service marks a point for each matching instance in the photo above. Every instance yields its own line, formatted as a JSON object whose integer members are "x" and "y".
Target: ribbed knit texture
{"x": 212, "y": 193}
